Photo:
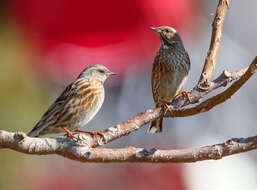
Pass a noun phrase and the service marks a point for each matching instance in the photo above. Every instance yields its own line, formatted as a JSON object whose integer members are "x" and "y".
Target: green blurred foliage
{"x": 23, "y": 98}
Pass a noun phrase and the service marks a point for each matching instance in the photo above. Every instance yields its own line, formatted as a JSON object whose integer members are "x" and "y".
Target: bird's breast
{"x": 169, "y": 74}
{"x": 87, "y": 102}
{"x": 91, "y": 100}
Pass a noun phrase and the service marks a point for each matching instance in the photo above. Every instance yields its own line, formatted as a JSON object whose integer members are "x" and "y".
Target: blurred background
{"x": 45, "y": 44}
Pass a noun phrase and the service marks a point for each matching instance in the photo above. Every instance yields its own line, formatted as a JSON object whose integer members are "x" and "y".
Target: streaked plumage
{"x": 170, "y": 70}
{"x": 77, "y": 105}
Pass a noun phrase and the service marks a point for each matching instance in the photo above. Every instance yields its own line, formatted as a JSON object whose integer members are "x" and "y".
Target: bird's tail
{"x": 155, "y": 126}
{"x": 35, "y": 132}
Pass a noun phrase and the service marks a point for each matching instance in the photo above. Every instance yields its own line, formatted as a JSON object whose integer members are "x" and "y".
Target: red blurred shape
{"x": 117, "y": 28}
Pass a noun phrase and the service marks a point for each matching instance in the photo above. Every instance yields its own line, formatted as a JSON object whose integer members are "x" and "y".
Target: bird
{"x": 170, "y": 71}
{"x": 77, "y": 104}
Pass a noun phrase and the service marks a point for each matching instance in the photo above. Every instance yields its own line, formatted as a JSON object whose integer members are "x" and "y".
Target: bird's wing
{"x": 185, "y": 61}
{"x": 55, "y": 109}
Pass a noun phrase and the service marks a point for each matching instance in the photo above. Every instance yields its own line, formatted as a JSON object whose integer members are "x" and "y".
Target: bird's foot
{"x": 184, "y": 93}
{"x": 92, "y": 133}
{"x": 70, "y": 134}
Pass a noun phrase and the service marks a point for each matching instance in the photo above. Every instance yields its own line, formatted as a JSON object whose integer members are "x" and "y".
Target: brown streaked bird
{"x": 170, "y": 70}
{"x": 77, "y": 105}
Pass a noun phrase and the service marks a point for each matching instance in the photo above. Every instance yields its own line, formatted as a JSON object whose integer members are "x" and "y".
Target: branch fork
{"x": 84, "y": 150}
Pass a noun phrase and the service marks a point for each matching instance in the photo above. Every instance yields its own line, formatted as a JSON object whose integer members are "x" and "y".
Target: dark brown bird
{"x": 170, "y": 70}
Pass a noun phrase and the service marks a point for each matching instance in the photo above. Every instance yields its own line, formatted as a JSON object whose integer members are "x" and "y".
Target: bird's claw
{"x": 70, "y": 134}
{"x": 94, "y": 134}
{"x": 184, "y": 93}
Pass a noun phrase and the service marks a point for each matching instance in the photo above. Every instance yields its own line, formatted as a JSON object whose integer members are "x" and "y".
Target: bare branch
{"x": 135, "y": 123}
{"x": 196, "y": 93}
{"x": 85, "y": 150}
{"x": 220, "y": 98}
{"x": 210, "y": 60}
{"x": 69, "y": 149}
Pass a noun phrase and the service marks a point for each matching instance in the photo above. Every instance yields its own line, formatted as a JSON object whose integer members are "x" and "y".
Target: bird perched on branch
{"x": 170, "y": 71}
{"x": 77, "y": 105}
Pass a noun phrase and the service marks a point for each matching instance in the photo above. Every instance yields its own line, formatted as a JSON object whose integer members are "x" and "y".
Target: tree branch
{"x": 141, "y": 119}
{"x": 210, "y": 60}
{"x": 220, "y": 98}
{"x": 85, "y": 151}
{"x": 67, "y": 148}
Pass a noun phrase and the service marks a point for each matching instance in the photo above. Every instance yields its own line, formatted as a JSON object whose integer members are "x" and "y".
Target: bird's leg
{"x": 185, "y": 93}
{"x": 167, "y": 108}
{"x": 69, "y": 133}
{"x": 92, "y": 133}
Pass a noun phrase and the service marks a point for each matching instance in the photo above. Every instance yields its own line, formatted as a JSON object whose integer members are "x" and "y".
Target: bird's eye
{"x": 101, "y": 71}
{"x": 167, "y": 31}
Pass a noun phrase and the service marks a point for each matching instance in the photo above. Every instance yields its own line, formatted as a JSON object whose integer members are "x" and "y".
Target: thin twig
{"x": 210, "y": 60}
{"x": 218, "y": 99}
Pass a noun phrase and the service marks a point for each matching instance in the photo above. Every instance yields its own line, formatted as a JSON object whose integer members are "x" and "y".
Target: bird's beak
{"x": 112, "y": 73}
{"x": 156, "y": 29}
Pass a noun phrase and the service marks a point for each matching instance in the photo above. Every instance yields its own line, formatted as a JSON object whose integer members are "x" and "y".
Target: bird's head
{"x": 98, "y": 72}
{"x": 168, "y": 36}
